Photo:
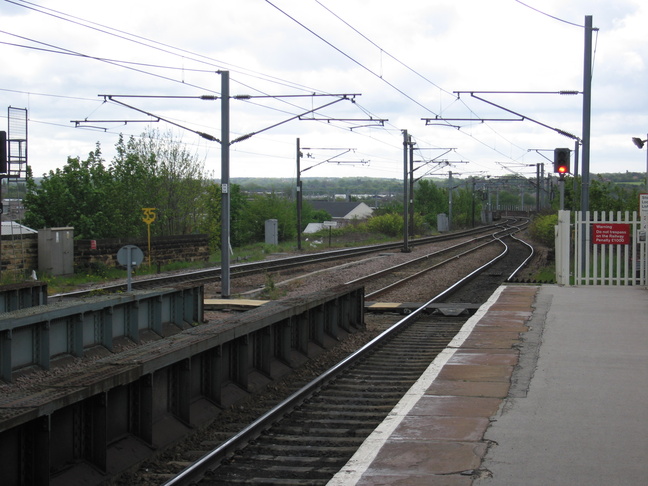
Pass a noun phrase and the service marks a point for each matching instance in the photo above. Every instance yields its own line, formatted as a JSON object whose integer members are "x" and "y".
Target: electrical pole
{"x": 406, "y": 142}
{"x": 472, "y": 210}
{"x": 537, "y": 198}
{"x": 587, "y": 112}
{"x": 225, "y": 186}
{"x": 298, "y": 197}
{"x": 450, "y": 189}
{"x": 411, "y": 188}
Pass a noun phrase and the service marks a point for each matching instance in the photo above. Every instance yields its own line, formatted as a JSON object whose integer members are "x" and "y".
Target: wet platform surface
{"x": 544, "y": 385}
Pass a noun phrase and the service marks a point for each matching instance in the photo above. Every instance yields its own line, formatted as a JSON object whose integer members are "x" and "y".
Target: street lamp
{"x": 640, "y": 143}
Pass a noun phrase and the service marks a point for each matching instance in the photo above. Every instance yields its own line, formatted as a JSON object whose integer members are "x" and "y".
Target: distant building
{"x": 344, "y": 211}
{"x": 12, "y": 209}
{"x": 13, "y": 228}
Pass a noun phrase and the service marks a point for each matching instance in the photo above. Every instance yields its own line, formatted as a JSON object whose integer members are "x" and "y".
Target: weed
{"x": 270, "y": 290}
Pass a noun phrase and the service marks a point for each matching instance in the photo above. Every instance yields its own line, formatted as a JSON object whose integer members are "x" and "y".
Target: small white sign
{"x": 643, "y": 204}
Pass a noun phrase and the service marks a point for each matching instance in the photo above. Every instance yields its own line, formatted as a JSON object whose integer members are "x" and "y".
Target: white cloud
{"x": 417, "y": 54}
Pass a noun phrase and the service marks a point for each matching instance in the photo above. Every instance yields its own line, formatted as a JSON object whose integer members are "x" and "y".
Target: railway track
{"x": 310, "y": 443}
{"x": 306, "y": 438}
{"x": 294, "y": 263}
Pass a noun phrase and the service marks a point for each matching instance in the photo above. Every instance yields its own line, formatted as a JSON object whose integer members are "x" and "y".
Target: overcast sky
{"x": 397, "y": 63}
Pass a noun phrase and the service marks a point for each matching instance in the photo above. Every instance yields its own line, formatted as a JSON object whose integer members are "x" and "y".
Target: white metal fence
{"x": 600, "y": 249}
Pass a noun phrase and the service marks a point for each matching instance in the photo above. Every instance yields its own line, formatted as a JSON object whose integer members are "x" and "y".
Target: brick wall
{"x": 164, "y": 249}
{"x": 19, "y": 255}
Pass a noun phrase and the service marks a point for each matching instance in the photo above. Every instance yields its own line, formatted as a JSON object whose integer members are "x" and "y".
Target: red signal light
{"x": 561, "y": 160}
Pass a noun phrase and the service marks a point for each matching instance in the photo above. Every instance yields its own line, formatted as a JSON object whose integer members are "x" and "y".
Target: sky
{"x": 476, "y": 84}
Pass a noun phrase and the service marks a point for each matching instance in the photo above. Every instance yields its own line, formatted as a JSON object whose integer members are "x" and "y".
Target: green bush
{"x": 542, "y": 229}
{"x": 389, "y": 224}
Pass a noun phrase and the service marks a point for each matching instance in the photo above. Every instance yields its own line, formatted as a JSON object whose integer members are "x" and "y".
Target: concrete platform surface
{"x": 543, "y": 386}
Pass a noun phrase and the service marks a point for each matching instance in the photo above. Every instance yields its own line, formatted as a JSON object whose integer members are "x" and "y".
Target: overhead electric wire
{"x": 129, "y": 37}
{"x": 144, "y": 42}
{"x": 549, "y": 15}
{"x": 381, "y": 49}
{"x": 352, "y": 59}
{"x": 166, "y": 48}
{"x": 456, "y": 98}
{"x": 202, "y": 59}
{"x": 63, "y": 50}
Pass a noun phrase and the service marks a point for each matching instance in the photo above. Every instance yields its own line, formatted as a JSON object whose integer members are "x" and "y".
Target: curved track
{"x": 309, "y": 436}
{"x": 298, "y": 262}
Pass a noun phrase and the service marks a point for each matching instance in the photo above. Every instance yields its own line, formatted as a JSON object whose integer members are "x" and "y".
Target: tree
{"x": 157, "y": 171}
{"x": 271, "y": 206}
{"x": 604, "y": 195}
{"x": 211, "y": 199}
{"x": 153, "y": 171}
{"x": 75, "y": 195}
{"x": 465, "y": 207}
{"x": 430, "y": 200}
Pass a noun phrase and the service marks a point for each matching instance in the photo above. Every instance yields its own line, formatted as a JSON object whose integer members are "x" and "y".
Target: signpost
{"x": 643, "y": 248}
{"x": 148, "y": 218}
{"x": 130, "y": 256}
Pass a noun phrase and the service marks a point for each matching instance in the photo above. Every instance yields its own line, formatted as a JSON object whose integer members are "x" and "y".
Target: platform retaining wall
{"x": 97, "y": 419}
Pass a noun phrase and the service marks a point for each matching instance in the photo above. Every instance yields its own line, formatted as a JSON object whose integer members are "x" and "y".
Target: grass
{"x": 546, "y": 274}
{"x": 99, "y": 274}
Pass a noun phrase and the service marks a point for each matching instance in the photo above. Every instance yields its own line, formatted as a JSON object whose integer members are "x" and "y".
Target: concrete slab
{"x": 431, "y": 405}
{"x": 494, "y": 339}
{"x": 428, "y": 457}
{"x": 507, "y": 357}
{"x": 469, "y": 388}
{"x": 417, "y": 428}
{"x": 373, "y": 479}
{"x": 476, "y": 373}
{"x": 582, "y": 418}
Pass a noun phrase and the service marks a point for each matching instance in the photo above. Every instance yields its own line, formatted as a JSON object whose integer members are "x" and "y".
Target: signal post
{"x": 561, "y": 167}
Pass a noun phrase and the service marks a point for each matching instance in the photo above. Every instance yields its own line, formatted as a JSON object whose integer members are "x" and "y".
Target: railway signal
{"x": 561, "y": 160}
{"x": 3, "y": 152}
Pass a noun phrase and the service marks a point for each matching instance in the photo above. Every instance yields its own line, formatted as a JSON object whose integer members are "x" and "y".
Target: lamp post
{"x": 640, "y": 143}
{"x": 644, "y": 215}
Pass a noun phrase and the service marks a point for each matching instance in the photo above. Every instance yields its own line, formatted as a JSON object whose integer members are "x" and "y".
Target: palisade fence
{"x": 600, "y": 248}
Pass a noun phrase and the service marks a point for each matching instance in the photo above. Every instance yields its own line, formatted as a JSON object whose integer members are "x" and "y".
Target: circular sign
{"x": 130, "y": 253}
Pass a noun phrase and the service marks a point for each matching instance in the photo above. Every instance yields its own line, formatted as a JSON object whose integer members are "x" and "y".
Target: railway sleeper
{"x": 298, "y": 450}
{"x": 301, "y": 460}
{"x": 340, "y": 423}
{"x": 345, "y": 416}
{"x": 292, "y": 433}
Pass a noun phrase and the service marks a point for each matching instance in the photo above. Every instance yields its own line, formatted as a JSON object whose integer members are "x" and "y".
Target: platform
{"x": 543, "y": 385}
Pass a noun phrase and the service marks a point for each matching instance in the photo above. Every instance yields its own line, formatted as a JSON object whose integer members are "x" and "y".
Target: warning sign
{"x": 610, "y": 234}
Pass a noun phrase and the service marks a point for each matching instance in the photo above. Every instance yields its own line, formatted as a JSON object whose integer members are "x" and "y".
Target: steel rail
{"x": 288, "y": 262}
{"x": 524, "y": 263}
{"x": 423, "y": 258}
{"x": 209, "y": 461}
{"x": 426, "y": 270}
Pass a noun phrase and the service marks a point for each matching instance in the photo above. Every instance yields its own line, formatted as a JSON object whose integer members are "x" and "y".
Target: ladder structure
{"x": 17, "y": 144}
